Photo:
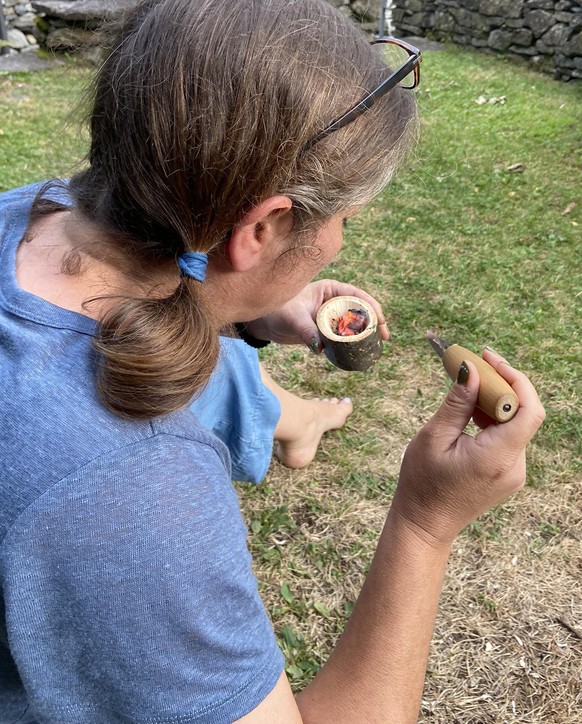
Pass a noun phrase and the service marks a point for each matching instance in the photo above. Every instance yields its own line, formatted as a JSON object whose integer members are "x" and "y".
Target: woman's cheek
{"x": 335, "y": 248}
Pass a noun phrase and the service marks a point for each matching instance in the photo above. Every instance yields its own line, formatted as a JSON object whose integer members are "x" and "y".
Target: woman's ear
{"x": 250, "y": 242}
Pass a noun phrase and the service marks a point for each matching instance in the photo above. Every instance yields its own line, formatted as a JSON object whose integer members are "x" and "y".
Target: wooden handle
{"x": 496, "y": 397}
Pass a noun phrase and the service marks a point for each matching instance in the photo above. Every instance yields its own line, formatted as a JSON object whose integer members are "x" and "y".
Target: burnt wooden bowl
{"x": 354, "y": 353}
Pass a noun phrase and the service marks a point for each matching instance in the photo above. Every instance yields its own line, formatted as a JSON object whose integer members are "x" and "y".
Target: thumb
{"x": 457, "y": 408}
{"x": 314, "y": 343}
{"x": 308, "y": 332}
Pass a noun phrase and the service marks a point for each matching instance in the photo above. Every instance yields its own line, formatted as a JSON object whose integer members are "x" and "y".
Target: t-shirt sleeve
{"x": 130, "y": 595}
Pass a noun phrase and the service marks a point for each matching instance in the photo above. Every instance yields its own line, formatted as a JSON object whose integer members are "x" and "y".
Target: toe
{"x": 347, "y": 406}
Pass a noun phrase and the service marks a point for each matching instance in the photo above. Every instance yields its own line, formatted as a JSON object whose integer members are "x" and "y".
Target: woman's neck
{"x": 64, "y": 261}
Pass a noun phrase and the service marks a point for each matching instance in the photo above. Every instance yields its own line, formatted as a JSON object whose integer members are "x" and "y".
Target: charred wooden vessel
{"x": 352, "y": 350}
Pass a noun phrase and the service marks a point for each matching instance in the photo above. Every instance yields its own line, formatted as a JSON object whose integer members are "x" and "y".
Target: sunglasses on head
{"x": 404, "y": 61}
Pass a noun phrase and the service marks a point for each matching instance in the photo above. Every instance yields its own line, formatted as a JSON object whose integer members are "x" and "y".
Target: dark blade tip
{"x": 436, "y": 343}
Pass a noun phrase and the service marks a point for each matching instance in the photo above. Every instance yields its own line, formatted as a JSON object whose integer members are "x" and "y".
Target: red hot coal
{"x": 354, "y": 322}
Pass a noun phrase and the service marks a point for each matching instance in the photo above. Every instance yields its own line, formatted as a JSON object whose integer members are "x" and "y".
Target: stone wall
{"x": 365, "y": 12}
{"x": 20, "y": 23}
{"x": 77, "y": 25}
{"x": 546, "y": 32}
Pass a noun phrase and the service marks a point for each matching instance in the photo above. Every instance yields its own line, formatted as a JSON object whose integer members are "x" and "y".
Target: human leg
{"x": 244, "y": 407}
{"x": 303, "y": 423}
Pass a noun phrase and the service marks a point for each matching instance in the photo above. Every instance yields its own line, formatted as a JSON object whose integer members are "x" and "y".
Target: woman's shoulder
{"x": 74, "y": 454}
{"x": 175, "y": 455}
{"x": 185, "y": 432}
{"x": 21, "y": 195}
{"x": 55, "y": 190}
{"x": 21, "y": 199}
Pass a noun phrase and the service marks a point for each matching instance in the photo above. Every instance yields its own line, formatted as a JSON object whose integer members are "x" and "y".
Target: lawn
{"x": 479, "y": 239}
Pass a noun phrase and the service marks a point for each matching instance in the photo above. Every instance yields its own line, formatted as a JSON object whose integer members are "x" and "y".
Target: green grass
{"x": 481, "y": 254}
{"x": 39, "y": 135}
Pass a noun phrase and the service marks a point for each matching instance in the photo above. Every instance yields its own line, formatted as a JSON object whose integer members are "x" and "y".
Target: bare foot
{"x": 318, "y": 416}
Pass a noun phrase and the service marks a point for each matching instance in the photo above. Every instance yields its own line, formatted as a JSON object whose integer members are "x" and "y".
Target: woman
{"x": 216, "y": 190}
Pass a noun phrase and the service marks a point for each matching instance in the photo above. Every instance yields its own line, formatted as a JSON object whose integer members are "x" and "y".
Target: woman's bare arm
{"x": 376, "y": 672}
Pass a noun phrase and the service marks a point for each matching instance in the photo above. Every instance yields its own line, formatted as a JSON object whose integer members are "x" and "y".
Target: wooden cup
{"x": 353, "y": 353}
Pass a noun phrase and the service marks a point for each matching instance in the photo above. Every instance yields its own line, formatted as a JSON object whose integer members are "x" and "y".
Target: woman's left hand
{"x": 294, "y": 323}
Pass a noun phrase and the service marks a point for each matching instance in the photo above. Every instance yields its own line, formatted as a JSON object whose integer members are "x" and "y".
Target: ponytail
{"x": 155, "y": 354}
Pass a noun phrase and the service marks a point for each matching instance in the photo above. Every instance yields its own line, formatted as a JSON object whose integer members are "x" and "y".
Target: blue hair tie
{"x": 193, "y": 264}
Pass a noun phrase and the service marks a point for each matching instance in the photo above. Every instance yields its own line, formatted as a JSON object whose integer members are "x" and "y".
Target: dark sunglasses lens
{"x": 395, "y": 56}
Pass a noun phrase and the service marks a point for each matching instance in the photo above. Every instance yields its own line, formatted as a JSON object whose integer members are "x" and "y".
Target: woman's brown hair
{"x": 201, "y": 111}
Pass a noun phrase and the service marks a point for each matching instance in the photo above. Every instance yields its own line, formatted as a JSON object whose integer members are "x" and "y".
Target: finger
{"x": 308, "y": 334}
{"x": 315, "y": 346}
{"x": 302, "y": 325}
{"x": 492, "y": 357}
{"x": 457, "y": 408}
{"x": 530, "y": 415}
{"x": 482, "y": 419}
{"x": 384, "y": 331}
{"x": 518, "y": 380}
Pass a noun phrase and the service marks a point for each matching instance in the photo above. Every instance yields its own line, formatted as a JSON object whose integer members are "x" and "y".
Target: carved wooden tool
{"x": 496, "y": 397}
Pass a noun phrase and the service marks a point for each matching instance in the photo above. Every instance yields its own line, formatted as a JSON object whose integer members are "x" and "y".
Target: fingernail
{"x": 463, "y": 374}
{"x": 346, "y": 400}
{"x": 314, "y": 345}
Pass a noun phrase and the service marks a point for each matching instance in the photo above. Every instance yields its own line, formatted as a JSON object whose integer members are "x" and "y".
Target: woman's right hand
{"x": 448, "y": 478}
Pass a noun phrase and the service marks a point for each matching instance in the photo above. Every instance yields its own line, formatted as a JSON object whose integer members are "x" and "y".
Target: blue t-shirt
{"x": 127, "y": 593}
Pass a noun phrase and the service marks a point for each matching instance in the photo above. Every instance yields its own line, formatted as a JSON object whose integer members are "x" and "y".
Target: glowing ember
{"x": 354, "y": 322}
